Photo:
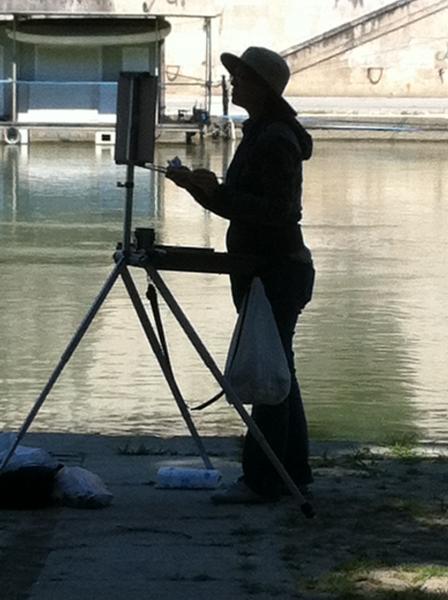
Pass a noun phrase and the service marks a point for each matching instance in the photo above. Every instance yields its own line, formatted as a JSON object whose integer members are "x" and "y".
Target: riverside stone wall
{"x": 403, "y": 51}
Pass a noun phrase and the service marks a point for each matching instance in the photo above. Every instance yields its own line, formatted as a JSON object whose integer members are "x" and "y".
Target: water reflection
{"x": 371, "y": 350}
{"x": 377, "y": 222}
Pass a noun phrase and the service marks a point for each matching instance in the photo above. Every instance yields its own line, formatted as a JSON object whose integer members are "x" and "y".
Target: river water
{"x": 371, "y": 348}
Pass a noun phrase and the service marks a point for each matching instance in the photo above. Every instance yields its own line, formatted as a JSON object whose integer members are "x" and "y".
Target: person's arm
{"x": 272, "y": 186}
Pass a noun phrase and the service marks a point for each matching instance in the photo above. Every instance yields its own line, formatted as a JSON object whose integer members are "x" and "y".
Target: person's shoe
{"x": 239, "y": 493}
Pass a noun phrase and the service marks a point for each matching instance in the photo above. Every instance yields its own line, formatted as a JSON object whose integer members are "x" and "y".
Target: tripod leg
{"x": 210, "y": 363}
{"x": 66, "y": 356}
{"x": 155, "y": 346}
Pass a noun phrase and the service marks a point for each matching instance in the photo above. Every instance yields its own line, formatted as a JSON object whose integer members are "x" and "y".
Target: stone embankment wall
{"x": 335, "y": 47}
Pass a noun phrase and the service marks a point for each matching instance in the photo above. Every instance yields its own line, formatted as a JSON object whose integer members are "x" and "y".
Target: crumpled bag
{"x": 256, "y": 365}
{"x": 27, "y": 481}
{"x": 79, "y": 488}
{"x": 24, "y": 456}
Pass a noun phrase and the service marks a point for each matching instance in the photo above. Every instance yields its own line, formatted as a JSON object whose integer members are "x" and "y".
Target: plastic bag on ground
{"x": 188, "y": 478}
{"x": 27, "y": 480}
{"x": 29, "y": 457}
{"x": 80, "y": 488}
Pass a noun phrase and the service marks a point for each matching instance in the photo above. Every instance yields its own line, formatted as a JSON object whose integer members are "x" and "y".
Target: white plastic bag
{"x": 256, "y": 365}
{"x": 188, "y": 478}
{"x": 27, "y": 480}
{"x": 24, "y": 456}
{"x": 79, "y": 488}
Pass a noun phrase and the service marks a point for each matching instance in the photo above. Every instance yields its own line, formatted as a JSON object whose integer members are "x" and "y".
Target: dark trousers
{"x": 289, "y": 288}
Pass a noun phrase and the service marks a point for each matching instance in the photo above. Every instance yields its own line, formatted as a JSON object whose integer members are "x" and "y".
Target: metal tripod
{"x": 122, "y": 258}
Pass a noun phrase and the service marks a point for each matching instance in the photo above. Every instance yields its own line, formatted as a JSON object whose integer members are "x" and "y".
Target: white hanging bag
{"x": 256, "y": 365}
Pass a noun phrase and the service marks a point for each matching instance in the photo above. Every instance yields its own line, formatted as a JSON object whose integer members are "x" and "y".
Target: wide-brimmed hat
{"x": 265, "y": 64}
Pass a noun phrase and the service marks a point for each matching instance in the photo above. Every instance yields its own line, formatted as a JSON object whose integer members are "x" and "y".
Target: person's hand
{"x": 181, "y": 176}
{"x": 204, "y": 180}
{"x": 199, "y": 181}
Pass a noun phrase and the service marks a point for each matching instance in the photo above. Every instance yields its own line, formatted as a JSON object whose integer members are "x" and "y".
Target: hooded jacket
{"x": 262, "y": 191}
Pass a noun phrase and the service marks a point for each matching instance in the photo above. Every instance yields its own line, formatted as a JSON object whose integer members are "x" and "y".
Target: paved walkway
{"x": 150, "y": 543}
{"x": 380, "y": 530}
{"x": 407, "y": 119}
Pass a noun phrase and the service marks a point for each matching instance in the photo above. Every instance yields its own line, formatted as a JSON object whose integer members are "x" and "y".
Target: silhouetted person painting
{"x": 261, "y": 197}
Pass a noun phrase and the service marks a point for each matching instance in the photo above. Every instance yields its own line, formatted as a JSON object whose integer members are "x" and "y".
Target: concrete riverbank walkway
{"x": 381, "y": 527}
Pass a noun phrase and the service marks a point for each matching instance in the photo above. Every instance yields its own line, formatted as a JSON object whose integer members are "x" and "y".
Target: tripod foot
{"x": 308, "y": 510}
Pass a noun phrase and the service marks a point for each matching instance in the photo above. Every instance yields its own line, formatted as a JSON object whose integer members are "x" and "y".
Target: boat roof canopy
{"x": 89, "y": 32}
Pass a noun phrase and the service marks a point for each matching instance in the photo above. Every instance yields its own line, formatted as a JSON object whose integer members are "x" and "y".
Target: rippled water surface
{"x": 371, "y": 349}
